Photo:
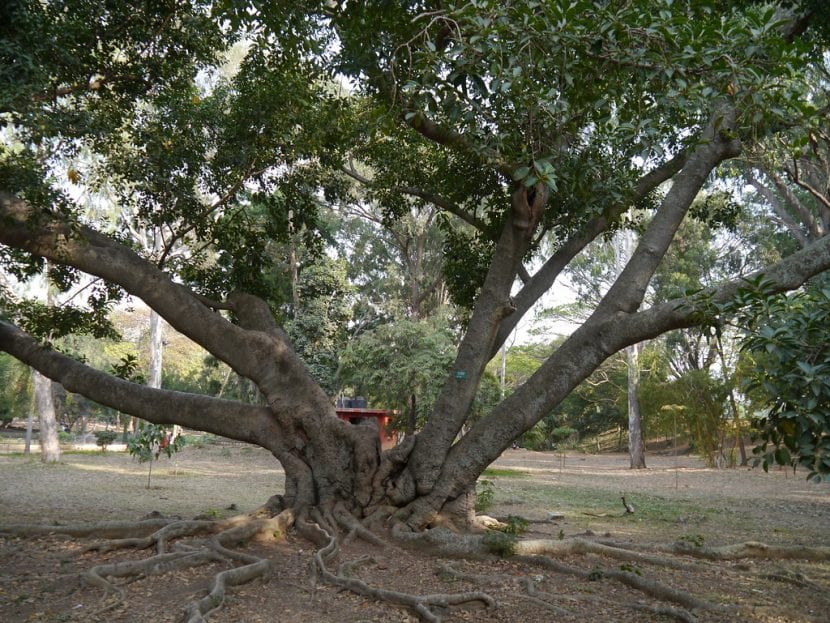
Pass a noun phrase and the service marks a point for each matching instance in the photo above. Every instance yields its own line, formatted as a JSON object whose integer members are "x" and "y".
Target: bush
{"x": 789, "y": 339}
{"x": 104, "y": 438}
{"x": 485, "y": 492}
{"x": 500, "y": 543}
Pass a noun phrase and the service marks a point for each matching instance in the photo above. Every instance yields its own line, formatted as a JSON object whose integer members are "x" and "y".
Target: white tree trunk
{"x": 50, "y": 450}
{"x": 29, "y": 421}
{"x": 636, "y": 445}
{"x": 156, "y": 350}
{"x": 624, "y": 244}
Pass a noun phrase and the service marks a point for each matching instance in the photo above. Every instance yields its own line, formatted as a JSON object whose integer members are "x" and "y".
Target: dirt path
{"x": 39, "y": 578}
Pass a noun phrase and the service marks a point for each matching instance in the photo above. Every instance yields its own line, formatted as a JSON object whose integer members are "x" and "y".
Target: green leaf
{"x": 521, "y": 173}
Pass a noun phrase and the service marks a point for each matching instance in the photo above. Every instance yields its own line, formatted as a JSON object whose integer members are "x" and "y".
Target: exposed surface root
{"x": 750, "y": 549}
{"x": 672, "y": 601}
{"x": 199, "y": 610}
{"x": 547, "y": 599}
{"x": 175, "y": 549}
{"x": 578, "y": 545}
{"x": 529, "y": 585}
{"x": 159, "y": 538}
{"x": 651, "y": 579}
{"x": 431, "y": 608}
{"x": 101, "y": 530}
{"x": 735, "y": 551}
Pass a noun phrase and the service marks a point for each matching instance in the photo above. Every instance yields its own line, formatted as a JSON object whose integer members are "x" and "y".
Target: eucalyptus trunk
{"x": 636, "y": 444}
{"x": 156, "y": 339}
{"x": 50, "y": 450}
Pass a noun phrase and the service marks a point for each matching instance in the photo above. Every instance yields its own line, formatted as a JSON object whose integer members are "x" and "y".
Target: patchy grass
{"x": 574, "y": 501}
{"x": 500, "y": 472}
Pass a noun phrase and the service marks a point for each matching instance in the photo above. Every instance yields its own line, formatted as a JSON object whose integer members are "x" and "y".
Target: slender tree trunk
{"x": 624, "y": 244}
{"x": 636, "y": 445}
{"x": 29, "y": 421}
{"x": 738, "y": 433}
{"x": 503, "y": 370}
{"x": 156, "y": 350}
{"x": 295, "y": 264}
{"x": 154, "y": 372}
{"x": 50, "y": 451}
{"x": 44, "y": 398}
{"x": 739, "y": 439}
{"x": 412, "y": 417}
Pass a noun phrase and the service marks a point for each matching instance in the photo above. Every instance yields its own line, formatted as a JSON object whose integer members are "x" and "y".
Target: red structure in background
{"x": 358, "y": 415}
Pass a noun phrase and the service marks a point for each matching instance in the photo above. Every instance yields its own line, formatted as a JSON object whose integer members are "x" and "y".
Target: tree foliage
{"x": 788, "y": 338}
{"x": 399, "y": 362}
{"x": 318, "y": 328}
{"x": 150, "y": 442}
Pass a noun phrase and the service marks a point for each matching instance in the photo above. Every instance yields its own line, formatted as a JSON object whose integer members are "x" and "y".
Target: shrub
{"x": 104, "y": 438}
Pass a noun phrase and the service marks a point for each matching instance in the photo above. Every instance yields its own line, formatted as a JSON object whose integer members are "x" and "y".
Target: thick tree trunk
{"x": 50, "y": 450}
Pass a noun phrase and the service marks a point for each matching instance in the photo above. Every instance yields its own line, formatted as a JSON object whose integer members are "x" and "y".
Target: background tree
{"x": 401, "y": 366}
{"x": 318, "y": 324}
{"x": 15, "y": 395}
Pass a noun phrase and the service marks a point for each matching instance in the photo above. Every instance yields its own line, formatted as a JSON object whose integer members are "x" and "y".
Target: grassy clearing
{"x": 656, "y": 517}
{"x": 572, "y": 500}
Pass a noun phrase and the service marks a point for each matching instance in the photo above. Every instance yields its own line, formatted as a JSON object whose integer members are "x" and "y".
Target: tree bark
{"x": 492, "y": 307}
{"x": 624, "y": 243}
{"x": 636, "y": 444}
{"x": 50, "y": 450}
{"x": 156, "y": 339}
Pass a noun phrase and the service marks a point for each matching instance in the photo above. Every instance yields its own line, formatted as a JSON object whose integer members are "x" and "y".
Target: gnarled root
{"x": 101, "y": 530}
{"x": 176, "y": 548}
{"x": 635, "y": 567}
{"x": 428, "y": 607}
{"x": 199, "y": 610}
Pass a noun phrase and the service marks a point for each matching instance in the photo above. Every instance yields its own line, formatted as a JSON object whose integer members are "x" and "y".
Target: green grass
{"x": 497, "y": 472}
{"x": 585, "y": 502}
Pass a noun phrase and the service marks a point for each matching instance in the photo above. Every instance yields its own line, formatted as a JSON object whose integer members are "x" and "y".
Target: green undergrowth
{"x": 500, "y": 472}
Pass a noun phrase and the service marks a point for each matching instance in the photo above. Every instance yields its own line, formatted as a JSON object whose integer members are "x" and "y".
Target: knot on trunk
{"x": 528, "y": 206}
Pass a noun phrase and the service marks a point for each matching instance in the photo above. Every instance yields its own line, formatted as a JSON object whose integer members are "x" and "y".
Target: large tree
{"x": 519, "y": 121}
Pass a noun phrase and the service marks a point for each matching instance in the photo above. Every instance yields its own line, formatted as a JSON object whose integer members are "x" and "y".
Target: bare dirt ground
{"x": 576, "y": 495}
